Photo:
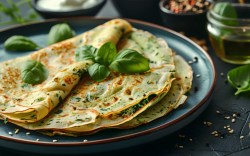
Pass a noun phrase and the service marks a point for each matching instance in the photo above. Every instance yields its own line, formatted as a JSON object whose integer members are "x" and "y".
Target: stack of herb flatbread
{"x": 70, "y": 102}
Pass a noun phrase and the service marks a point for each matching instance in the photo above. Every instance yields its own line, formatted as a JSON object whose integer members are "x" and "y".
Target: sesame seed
{"x": 181, "y": 136}
{"x": 233, "y": 120}
{"x": 231, "y": 131}
{"x": 54, "y": 140}
{"x": 209, "y": 123}
{"x": 198, "y": 75}
{"x": 85, "y": 140}
{"x": 16, "y": 131}
{"x": 221, "y": 74}
{"x": 190, "y": 62}
{"x": 216, "y": 134}
{"x": 181, "y": 146}
{"x": 225, "y": 127}
{"x": 241, "y": 137}
{"x": 227, "y": 117}
{"x": 190, "y": 139}
{"x": 234, "y": 115}
{"x": 10, "y": 133}
{"x": 27, "y": 133}
{"x": 218, "y": 112}
{"x": 37, "y": 139}
{"x": 228, "y": 126}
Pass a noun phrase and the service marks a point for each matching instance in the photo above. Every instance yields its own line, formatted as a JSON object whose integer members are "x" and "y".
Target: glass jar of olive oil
{"x": 229, "y": 31}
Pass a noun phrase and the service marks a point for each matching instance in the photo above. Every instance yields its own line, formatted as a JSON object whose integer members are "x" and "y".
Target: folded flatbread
{"x": 24, "y": 102}
{"x": 84, "y": 106}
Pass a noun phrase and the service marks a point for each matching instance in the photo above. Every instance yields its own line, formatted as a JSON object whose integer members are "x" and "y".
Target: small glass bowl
{"x": 230, "y": 37}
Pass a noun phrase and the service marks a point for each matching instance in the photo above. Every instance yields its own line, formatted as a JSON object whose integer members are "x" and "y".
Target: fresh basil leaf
{"x": 98, "y": 72}
{"x": 19, "y": 43}
{"x": 106, "y": 53}
{"x": 60, "y": 32}
{"x": 86, "y": 52}
{"x": 239, "y": 78}
{"x": 33, "y": 72}
{"x": 130, "y": 61}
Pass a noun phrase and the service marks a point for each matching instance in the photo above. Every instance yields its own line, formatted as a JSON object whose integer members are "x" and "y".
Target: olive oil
{"x": 232, "y": 48}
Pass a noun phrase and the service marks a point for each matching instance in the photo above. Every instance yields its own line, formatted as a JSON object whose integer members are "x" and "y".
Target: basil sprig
{"x": 239, "y": 78}
{"x": 106, "y": 58}
{"x": 20, "y": 43}
{"x": 60, "y": 32}
{"x": 33, "y": 72}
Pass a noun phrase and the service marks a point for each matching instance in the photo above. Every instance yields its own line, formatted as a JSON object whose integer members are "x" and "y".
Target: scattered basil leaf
{"x": 60, "y": 32}
{"x": 106, "y": 53}
{"x": 239, "y": 78}
{"x": 86, "y": 52}
{"x": 130, "y": 61}
{"x": 98, "y": 72}
{"x": 19, "y": 43}
{"x": 33, "y": 72}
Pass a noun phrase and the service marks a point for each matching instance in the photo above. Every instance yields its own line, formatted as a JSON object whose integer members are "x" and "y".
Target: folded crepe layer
{"x": 175, "y": 97}
{"x": 91, "y": 106}
{"x": 20, "y": 101}
{"x": 155, "y": 108}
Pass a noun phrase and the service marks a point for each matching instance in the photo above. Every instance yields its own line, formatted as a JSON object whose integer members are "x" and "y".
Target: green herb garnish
{"x": 98, "y": 72}
{"x": 106, "y": 58}
{"x": 20, "y": 43}
{"x": 33, "y": 72}
{"x": 5, "y": 121}
{"x": 60, "y": 32}
{"x": 85, "y": 53}
{"x": 11, "y": 10}
{"x": 239, "y": 78}
{"x": 129, "y": 61}
{"x": 106, "y": 53}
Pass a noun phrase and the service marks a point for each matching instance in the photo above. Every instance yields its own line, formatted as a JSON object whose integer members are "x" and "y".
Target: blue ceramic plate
{"x": 107, "y": 140}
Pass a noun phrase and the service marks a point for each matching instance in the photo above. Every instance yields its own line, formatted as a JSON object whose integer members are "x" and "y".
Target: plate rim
{"x": 127, "y": 136}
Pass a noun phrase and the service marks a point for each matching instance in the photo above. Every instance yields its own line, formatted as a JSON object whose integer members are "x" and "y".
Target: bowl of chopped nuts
{"x": 187, "y": 16}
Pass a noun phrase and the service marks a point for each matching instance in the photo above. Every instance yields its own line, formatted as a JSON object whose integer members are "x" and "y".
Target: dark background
{"x": 196, "y": 138}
